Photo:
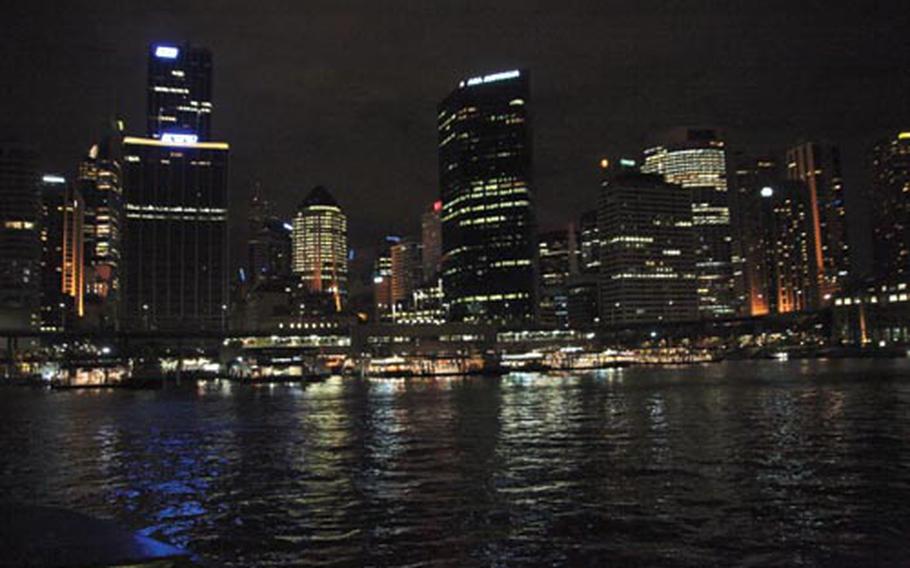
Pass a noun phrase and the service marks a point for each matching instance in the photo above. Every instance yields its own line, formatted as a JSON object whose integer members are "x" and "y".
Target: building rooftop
{"x": 319, "y": 195}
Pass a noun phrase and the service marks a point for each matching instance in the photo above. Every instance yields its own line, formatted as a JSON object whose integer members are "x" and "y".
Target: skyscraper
{"x": 431, "y": 240}
{"x": 695, "y": 159}
{"x": 320, "y": 246}
{"x": 269, "y": 247}
{"x": 20, "y": 244}
{"x": 62, "y": 254}
{"x": 556, "y": 254}
{"x": 789, "y": 247}
{"x": 406, "y": 270}
{"x": 382, "y": 281}
{"x": 179, "y": 91}
{"x": 487, "y": 207}
{"x": 890, "y": 197}
{"x": 589, "y": 243}
{"x": 175, "y": 237}
{"x": 647, "y": 249}
{"x": 818, "y": 167}
{"x": 750, "y": 177}
{"x": 100, "y": 182}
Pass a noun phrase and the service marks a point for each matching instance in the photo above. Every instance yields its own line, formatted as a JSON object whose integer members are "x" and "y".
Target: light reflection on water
{"x": 758, "y": 463}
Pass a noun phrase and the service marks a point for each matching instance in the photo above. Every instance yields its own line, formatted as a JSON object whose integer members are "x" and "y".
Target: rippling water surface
{"x": 752, "y": 463}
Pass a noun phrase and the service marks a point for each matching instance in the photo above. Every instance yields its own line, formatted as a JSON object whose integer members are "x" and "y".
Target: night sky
{"x": 344, "y": 93}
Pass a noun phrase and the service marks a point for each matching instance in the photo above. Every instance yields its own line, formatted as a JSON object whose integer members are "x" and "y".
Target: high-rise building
{"x": 556, "y": 258}
{"x": 818, "y": 166}
{"x": 789, "y": 247}
{"x": 431, "y": 240}
{"x": 179, "y": 91}
{"x": 695, "y": 159}
{"x": 20, "y": 244}
{"x": 269, "y": 247}
{"x": 320, "y": 246}
{"x": 582, "y": 301}
{"x": 750, "y": 177}
{"x": 485, "y": 175}
{"x": 175, "y": 236}
{"x": 406, "y": 270}
{"x": 62, "y": 254}
{"x": 99, "y": 181}
{"x": 647, "y": 249}
{"x": 382, "y": 281}
{"x": 425, "y": 306}
{"x": 589, "y": 243}
{"x": 890, "y": 197}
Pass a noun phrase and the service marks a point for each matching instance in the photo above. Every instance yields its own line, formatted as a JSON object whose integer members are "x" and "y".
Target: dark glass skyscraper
{"x": 589, "y": 243}
{"x": 890, "y": 197}
{"x": 62, "y": 254}
{"x": 179, "y": 90}
{"x": 647, "y": 252}
{"x": 750, "y": 176}
{"x": 557, "y": 261}
{"x": 176, "y": 234}
{"x": 269, "y": 247}
{"x": 818, "y": 166}
{"x": 20, "y": 244}
{"x": 485, "y": 175}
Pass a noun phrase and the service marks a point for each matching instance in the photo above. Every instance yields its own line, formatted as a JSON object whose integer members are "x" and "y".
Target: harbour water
{"x": 756, "y": 463}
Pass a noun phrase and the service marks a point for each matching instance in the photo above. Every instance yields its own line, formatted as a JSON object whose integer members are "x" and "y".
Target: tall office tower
{"x": 695, "y": 159}
{"x": 20, "y": 244}
{"x": 789, "y": 247}
{"x": 647, "y": 249}
{"x": 589, "y": 245}
{"x": 320, "y": 246}
{"x": 99, "y": 181}
{"x": 818, "y": 166}
{"x": 62, "y": 254}
{"x": 750, "y": 177}
{"x": 488, "y": 238}
{"x": 179, "y": 91}
{"x": 406, "y": 270}
{"x": 431, "y": 239}
{"x": 175, "y": 236}
{"x": 269, "y": 247}
{"x": 555, "y": 262}
{"x": 890, "y": 197}
{"x": 382, "y": 283}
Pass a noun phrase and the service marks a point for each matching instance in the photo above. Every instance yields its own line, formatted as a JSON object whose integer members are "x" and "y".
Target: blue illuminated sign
{"x": 166, "y": 52}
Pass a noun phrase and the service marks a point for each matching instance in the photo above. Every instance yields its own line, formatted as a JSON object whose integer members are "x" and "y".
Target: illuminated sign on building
{"x": 176, "y": 138}
{"x": 490, "y": 78}
{"x": 166, "y": 52}
{"x": 53, "y": 179}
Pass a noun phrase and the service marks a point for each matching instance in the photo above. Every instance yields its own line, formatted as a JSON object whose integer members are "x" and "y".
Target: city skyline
{"x": 617, "y": 92}
{"x": 455, "y": 283}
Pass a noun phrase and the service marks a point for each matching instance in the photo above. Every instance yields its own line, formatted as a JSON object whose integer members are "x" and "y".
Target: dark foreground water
{"x": 753, "y": 464}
